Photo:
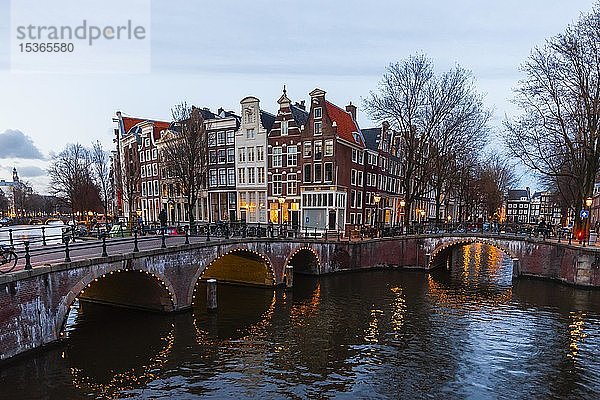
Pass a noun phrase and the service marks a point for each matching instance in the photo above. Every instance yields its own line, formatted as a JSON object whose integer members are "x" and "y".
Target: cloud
{"x": 15, "y": 144}
{"x": 31, "y": 171}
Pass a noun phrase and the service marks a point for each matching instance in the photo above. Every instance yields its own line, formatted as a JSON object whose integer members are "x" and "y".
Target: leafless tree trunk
{"x": 100, "y": 162}
{"x": 184, "y": 153}
{"x": 130, "y": 181}
{"x": 557, "y": 134}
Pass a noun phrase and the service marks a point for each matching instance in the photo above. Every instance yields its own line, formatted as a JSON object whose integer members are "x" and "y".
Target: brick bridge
{"x": 35, "y": 303}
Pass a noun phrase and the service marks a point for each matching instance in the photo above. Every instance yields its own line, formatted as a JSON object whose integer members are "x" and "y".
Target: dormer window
{"x": 318, "y": 113}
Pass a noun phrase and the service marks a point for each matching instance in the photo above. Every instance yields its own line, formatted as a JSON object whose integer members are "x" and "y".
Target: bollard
{"x": 67, "y": 256}
{"x": 104, "y": 253}
{"x": 211, "y": 294}
{"x": 187, "y": 235}
{"x": 162, "y": 237}
{"x": 135, "y": 242}
{"x": 289, "y": 276}
{"x": 516, "y": 267}
{"x": 306, "y": 231}
{"x": 27, "y": 255}
{"x": 10, "y": 235}
{"x": 43, "y": 235}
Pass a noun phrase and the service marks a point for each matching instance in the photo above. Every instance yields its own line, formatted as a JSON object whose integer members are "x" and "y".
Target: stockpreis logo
{"x": 80, "y": 36}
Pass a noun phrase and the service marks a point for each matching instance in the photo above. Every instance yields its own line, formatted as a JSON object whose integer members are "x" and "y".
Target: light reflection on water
{"x": 465, "y": 333}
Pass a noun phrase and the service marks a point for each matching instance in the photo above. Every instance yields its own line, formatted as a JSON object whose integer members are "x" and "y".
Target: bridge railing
{"x": 47, "y": 249}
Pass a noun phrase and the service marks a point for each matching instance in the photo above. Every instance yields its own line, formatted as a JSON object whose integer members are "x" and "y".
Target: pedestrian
{"x": 162, "y": 216}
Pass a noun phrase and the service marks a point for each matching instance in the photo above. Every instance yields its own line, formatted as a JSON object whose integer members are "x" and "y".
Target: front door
{"x": 332, "y": 220}
{"x": 295, "y": 219}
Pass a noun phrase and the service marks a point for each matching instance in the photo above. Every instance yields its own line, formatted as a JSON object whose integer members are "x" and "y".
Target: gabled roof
{"x": 300, "y": 115}
{"x": 267, "y": 120}
{"x": 371, "y": 136}
{"x": 347, "y": 128}
{"x": 157, "y": 126}
{"x": 517, "y": 194}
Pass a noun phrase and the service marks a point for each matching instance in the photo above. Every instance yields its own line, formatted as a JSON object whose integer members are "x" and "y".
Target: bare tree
{"x": 458, "y": 123}
{"x": 70, "y": 173}
{"x": 495, "y": 176}
{"x": 100, "y": 164}
{"x": 130, "y": 181}
{"x": 3, "y": 203}
{"x": 184, "y": 153}
{"x": 439, "y": 120}
{"x": 557, "y": 134}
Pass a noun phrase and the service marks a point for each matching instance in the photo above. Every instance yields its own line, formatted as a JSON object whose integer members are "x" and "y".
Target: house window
{"x": 249, "y": 115}
{"x": 277, "y": 185}
{"x": 241, "y": 176}
{"x": 251, "y": 176}
{"x": 359, "y": 178}
{"x": 284, "y": 128}
{"x": 260, "y": 171}
{"x": 277, "y": 157}
{"x": 143, "y": 171}
{"x": 156, "y": 193}
{"x": 212, "y": 139}
{"x": 361, "y": 158}
{"x": 292, "y": 185}
{"x": 260, "y": 153}
{"x": 154, "y": 154}
{"x": 155, "y": 169}
{"x": 213, "y": 177}
{"x": 250, "y": 154}
{"x": 328, "y": 172}
{"x": 230, "y": 137}
{"x": 318, "y": 150}
{"x": 318, "y": 128}
{"x": 242, "y": 154}
{"x": 147, "y": 142}
{"x": 307, "y": 149}
{"x": 307, "y": 173}
{"x": 221, "y": 157}
{"x": 318, "y": 172}
{"x": 222, "y": 177}
{"x": 354, "y": 155}
{"x": 292, "y": 156}
{"x": 231, "y": 176}
{"x": 142, "y": 159}
{"x": 353, "y": 177}
{"x": 221, "y": 138}
{"x": 329, "y": 147}
{"x": 250, "y": 133}
{"x": 318, "y": 112}
{"x": 230, "y": 155}
{"x": 359, "y": 199}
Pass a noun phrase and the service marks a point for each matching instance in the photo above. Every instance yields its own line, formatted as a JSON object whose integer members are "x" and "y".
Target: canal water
{"x": 465, "y": 333}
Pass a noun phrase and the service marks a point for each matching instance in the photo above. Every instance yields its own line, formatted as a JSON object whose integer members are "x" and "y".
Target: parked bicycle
{"x": 8, "y": 258}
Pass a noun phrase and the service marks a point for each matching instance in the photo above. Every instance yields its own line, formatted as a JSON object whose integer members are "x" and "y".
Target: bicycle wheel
{"x": 11, "y": 262}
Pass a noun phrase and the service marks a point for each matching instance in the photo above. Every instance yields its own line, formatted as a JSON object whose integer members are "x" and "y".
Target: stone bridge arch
{"x": 304, "y": 259}
{"x": 444, "y": 247}
{"x": 217, "y": 262}
{"x": 108, "y": 271}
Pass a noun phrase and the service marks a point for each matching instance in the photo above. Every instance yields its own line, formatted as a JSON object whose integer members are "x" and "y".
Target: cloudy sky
{"x": 215, "y": 53}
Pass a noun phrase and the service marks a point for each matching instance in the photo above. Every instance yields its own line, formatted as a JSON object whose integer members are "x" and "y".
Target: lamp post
{"x": 449, "y": 218}
{"x": 281, "y": 201}
{"x": 138, "y": 212}
{"x": 377, "y": 199}
{"x": 402, "y": 205}
{"x": 588, "y": 204}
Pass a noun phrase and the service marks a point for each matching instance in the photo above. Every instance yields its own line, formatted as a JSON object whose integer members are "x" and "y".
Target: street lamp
{"x": 281, "y": 201}
{"x": 588, "y": 225}
{"x": 377, "y": 199}
{"x": 402, "y": 205}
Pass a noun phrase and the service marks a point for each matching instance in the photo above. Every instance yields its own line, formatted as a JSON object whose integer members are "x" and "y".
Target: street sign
{"x": 584, "y": 214}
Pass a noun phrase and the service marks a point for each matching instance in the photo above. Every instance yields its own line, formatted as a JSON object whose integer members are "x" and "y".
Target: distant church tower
{"x": 15, "y": 175}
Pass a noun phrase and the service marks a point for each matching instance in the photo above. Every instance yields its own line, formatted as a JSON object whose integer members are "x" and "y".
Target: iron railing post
{"x": 27, "y": 256}
{"x": 135, "y": 242}
{"x": 67, "y": 253}
{"x": 104, "y": 253}
{"x": 43, "y": 235}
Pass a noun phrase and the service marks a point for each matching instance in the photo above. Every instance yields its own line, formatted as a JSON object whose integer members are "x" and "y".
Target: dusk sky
{"x": 213, "y": 54}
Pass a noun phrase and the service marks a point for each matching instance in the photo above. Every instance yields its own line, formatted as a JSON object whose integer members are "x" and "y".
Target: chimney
{"x": 351, "y": 108}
